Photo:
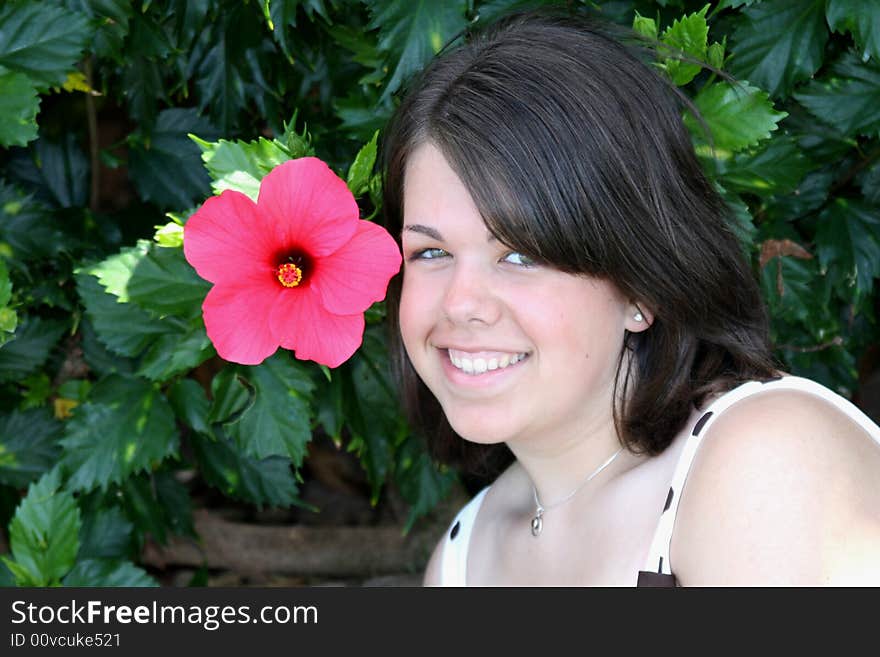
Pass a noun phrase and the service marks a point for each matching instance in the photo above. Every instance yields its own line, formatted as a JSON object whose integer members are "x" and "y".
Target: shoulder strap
{"x": 658, "y": 556}
{"x": 453, "y": 569}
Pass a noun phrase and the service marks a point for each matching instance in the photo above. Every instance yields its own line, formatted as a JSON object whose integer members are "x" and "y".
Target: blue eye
{"x": 515, "y": 258}
{"x": 428, "y": 254}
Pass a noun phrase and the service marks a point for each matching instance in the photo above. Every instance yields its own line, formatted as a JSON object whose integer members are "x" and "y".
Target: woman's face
{"x": 510, "y": 349}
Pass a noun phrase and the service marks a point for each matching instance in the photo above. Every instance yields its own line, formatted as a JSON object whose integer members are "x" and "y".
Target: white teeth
{"x": 481, "y": 365}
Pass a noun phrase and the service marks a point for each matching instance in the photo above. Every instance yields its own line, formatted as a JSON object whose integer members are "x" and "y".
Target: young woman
{"x": 572, "y": 291}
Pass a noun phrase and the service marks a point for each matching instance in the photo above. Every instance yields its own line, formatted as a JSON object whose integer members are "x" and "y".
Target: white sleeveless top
{"x": 657, "y": 570}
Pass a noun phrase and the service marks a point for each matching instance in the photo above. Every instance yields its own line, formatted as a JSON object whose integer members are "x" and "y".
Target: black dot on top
{"x": 701, "y": 423}
{"x": 668, "y": 500}
{"x": 454, "y": 531}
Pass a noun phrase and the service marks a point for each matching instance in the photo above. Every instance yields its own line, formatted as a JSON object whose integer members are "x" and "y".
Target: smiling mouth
{"x": 469, "y": 364}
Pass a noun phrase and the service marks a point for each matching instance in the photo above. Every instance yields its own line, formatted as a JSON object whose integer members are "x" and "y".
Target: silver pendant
{"x": 538, "y": 522}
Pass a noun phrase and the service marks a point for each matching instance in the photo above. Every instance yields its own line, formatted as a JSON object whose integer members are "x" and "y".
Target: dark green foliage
{"x": 113, "y": 113}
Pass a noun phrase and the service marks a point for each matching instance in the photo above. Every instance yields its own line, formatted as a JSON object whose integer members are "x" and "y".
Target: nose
{"x": 470, "y": 296}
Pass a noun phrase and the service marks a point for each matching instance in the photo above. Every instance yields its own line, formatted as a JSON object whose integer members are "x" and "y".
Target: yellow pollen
{"x": 289, "y": 275}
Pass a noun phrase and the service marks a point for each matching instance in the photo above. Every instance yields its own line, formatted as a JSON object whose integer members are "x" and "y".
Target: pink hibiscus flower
{"x": 296, "y": 269}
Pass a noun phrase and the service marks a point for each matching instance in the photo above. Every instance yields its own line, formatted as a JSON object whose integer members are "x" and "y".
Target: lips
{"x": 479, "y": 362}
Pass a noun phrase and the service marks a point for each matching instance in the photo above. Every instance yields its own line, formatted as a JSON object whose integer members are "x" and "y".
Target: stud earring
{"x": 638, "y": 317}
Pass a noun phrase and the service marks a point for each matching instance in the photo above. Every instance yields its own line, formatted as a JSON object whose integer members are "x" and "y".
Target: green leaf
{"x": 225, "y": 466}
{"x": 44, "y": 534}
{"x": 870, "y": 183}
{"x": 737, "y": 115}
{"x": 686, "y": 36}
{"x": 786, "y": 283}
{"x": 647, "y": 27}
{"x": 19, "y": 104}
{"x": 29, "y": 348}
{"x": 859, "y": 18}
{"x": 848, "y": 245}
{"x": 411, "y": 33}
{"x": 240, "y": 165}
{"x": 112, "y": 20}
{"x": 158, "y": 504}
{"x": 108, "y": 573}
{"x": 123, "y": 328}
{"x": 422, "y": 484}
{"x": 190, "y": 404}
{"x": 371, "y": 407}
{"x": 361, "y": 169}
{"x": 172, "y": 354}
{"x": 162, "y": 281}
{"x": 124, "y": 428}
{"x": 28, "y": 445}
{"x": 41, "y": 40}
{"x": 778, "y": 43}
{"x": 279, "y": 420}
{"x": 106, "y": 534}
{"x": 5, "y": 284}
{"x": 282, "y": 13}
{"x": 741, "y": 221}
{"x": 165, "y": 165}
{"x": 64, "y": 169}
{"x": 27, "y": 226}
{"x": 847, "y": 97}
{"x": 809, "y": 195}
{"x": 776, "y": 168}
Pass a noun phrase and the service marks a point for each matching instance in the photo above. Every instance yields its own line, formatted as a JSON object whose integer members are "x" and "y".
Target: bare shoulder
{"x": 784, "y": 489}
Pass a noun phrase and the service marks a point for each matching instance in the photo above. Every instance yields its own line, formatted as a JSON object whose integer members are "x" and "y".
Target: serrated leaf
{"x": 44, "y": 533}
{"x": 107, "y": 573}
{"x": 410, "y": 33}
{"x": 240, "y": 165}
{"x": 361, "y": 169}
{"x": 259, "y": 481}
{"x": 848, "y": 245}
{"x": 686, "y": 36}
{"x": 809, "y": 194}
{"x": 164, "y": 164}
{"x": 647, "y": 27}
{"x": 123, "y": 328}
{"x": 125, "y": 427}
{"x": 106, "y": 534}
{"x": 111, "y": 18}
{"x": 775, "y": 168}
{"x": 741, "y": 221}
{"x": 158, "y": 505}
{"x": 27, "y": 226}
{"x": 422, "y": 484}
{"x": 786, "y": 285}
{"x": 738, "y": 115}
{"x": 861, "y": 19}
{"x": 778, "y": 43}
{"x": 371, "y": 408}
{"x": 870, "y": 184}
{"x": 19, "y": 105}
{"x": 847, "y": 97}
{"x": 41, "y": 40}
{"x": 172, "y": 354}
{"x": 279, "y": 420}
{"x": 162, "y": 281}
{"x": 5, "y": 284}
{"x": 190, "y": 404}
{"x": 64, "y": 169}
{"x": 282, "y": 14}
{"x": 28, "y": 445}
{"x": 29, "y": 347}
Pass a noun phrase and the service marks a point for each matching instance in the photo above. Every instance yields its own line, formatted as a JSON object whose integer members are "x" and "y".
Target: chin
{"x": 480, "y": 430}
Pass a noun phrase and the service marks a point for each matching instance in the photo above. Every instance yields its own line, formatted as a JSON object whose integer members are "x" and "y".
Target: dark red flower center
{"x": 292, "y": 267}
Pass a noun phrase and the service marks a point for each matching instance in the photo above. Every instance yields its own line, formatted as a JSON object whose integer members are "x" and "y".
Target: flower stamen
{"x": 289, "y": 275}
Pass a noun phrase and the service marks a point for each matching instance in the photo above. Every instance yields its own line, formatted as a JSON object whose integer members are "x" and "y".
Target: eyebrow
{"x": 431, "y": 232}
{"x": 424, "y": 230}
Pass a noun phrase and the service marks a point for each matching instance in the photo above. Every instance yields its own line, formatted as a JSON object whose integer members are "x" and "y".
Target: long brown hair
{"x": 575, "y": 154}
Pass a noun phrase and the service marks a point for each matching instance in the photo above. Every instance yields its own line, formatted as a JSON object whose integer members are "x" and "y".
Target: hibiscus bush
{"x": 120, "y": 122}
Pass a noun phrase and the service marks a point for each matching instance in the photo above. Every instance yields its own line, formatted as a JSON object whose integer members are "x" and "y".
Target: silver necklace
{"x": 538, "y": 519}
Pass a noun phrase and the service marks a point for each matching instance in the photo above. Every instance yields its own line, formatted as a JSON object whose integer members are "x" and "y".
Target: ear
{"x": 639, "y": 318}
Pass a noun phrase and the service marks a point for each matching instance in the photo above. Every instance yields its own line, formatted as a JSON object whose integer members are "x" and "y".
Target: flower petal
{"x": 226, "y": 241}
{"x": 237, "y": 321}
{"x": 357, "y": 275}
{"x": 308, "y": 206}
{"x": 301, "y": 323}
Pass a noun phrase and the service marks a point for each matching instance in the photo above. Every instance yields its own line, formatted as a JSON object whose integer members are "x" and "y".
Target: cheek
{"x": 413, "y": 315}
